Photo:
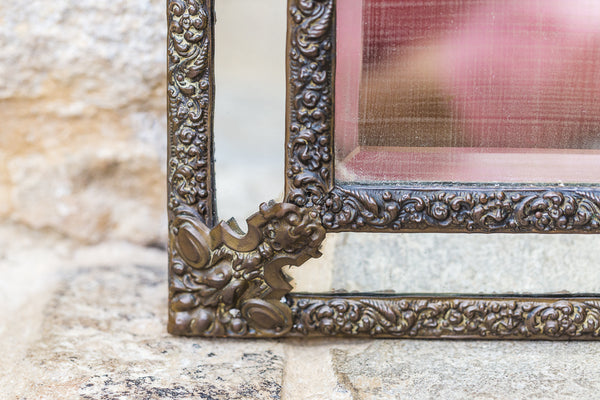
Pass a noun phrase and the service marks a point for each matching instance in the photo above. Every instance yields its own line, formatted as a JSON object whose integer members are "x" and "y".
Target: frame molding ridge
{"x": 190, "y": 94}
{"x": 309, "y": 157}
{"x": 456, "y": 317}
{"x": 462, "y": 209}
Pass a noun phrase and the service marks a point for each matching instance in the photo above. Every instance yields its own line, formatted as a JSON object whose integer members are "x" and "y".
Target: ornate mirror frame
{"x": 227, "y": 283}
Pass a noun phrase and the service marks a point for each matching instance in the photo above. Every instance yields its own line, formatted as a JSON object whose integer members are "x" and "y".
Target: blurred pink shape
{"x": 519, "y": 73}
{"x": 349, "y": 49}
{"x": 526, "y": 73}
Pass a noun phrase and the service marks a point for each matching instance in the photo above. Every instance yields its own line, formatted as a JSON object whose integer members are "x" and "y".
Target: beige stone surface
{"x": 90, "y": 322}
{"x": 468, "y": 370}
{"x": 82, "y": 105}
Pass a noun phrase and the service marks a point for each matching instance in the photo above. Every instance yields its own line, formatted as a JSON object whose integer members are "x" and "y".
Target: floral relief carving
{"x": 189, "y": 96}
{"x": 474, "y": 210}
{"x": 310, "y": 104}
{"x": 438, "y": 317}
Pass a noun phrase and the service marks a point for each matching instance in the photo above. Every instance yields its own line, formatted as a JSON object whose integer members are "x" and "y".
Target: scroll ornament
{"x": 226, "y": 283}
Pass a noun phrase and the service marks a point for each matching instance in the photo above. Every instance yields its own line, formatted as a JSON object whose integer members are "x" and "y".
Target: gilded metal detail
{"x": 190, "y": 107}
{"x": 310, "y": 101}
{"x": 449, "y": 317}
{"x": 226, "y": 283}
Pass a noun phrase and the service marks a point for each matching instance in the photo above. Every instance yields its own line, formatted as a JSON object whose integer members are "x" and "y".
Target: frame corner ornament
{"x": 227, "y": 283}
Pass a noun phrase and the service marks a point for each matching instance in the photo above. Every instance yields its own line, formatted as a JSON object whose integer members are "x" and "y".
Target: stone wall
{"x": 82, "y": 105}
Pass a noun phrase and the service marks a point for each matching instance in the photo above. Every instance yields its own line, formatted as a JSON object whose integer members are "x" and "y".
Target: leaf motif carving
{"x": 592, "y": 196}
{"x": 189, "y": 93}
{"x": 527, "y": 318}
{"x": 479, "y": 210}
{"x": 323, "y": 23}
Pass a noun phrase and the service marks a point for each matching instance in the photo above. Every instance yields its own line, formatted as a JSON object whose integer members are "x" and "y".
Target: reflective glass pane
{"x": 468, "y": 91}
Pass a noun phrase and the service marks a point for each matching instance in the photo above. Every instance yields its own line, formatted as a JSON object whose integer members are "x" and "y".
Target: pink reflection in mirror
{"x": 468, "y": 91}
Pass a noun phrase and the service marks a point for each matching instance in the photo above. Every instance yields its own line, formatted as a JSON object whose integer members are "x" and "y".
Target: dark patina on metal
{"x": 226, "y": 283}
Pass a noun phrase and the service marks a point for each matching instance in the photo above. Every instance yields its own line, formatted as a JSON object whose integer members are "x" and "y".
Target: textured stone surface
{"x": 468, "y": 370}
{"x": 97, "y": 330}
{"x": 82, "y": 100}
{"x": 89, "y": 322}
{"x": 91, "y": 194}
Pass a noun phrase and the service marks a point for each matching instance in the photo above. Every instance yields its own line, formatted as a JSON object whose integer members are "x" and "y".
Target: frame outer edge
{"x": 190, "y": 105}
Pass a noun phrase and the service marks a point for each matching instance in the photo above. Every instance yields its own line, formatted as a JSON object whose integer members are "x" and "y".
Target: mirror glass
{"x": 452, "y": 263}
{"x": 249, "y": 104}
{"x": 468, "y": 91}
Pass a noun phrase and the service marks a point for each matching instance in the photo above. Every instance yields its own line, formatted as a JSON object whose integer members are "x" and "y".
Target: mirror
{"x": 468, "y": 91}
{"x": 462, "y": 140}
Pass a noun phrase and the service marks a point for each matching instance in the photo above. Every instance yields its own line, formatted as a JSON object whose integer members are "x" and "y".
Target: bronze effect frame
{"x": 226, "y": 283}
